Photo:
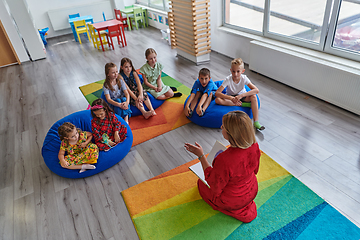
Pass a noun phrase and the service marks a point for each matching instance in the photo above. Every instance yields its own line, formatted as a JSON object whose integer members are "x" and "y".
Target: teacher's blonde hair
{"x": 239, "y": 128}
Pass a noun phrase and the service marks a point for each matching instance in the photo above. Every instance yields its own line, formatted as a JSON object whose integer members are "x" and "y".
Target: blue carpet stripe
{"x": 296, "y": 227}
{"x": 290, "y": 202}
{"x": 331, "y": 224}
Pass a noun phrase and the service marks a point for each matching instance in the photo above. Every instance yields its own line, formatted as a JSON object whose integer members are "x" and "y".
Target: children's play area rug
{"x": 169, "y": 207}
{"x": 169, "y": 115}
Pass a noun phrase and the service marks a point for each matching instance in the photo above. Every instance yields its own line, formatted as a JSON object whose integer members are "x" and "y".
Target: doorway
{"x": 8, "y": 55}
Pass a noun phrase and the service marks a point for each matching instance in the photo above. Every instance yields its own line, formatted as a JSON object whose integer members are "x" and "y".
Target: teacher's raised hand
{"x": 195, "y": 149}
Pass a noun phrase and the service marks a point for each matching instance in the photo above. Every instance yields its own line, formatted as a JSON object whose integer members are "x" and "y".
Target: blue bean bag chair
{"x": 82, "y": 120}
{"x": 214, "y": 113}
{"x": 135, "y": 111}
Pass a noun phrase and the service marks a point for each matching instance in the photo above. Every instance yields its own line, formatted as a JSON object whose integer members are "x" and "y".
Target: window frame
{"x": 332, "y": 29}
{"x": 332, "y": 11}
{"x": 153, "y": 6}
{"x": 242, "y": 29}
{"x": 295, "y": 40}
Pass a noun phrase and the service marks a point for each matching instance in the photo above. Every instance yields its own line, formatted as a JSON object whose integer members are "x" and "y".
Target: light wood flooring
{"x": 315, "y": 141}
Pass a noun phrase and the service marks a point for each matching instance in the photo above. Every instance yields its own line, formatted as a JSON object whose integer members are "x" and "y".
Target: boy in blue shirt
{"x": 204, "y": 89}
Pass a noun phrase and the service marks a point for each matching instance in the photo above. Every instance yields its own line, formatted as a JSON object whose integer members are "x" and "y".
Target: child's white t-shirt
{"x": 235, "y": 88}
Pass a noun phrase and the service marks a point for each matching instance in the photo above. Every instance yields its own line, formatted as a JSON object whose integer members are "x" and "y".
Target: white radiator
{"x": 331, "y": 81}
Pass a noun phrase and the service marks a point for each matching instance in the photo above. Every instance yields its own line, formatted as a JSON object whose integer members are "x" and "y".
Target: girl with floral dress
{"x": 81, "y": 153}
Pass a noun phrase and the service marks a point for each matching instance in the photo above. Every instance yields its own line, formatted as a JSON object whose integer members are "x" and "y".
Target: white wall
{"x": 12, "y": 34}
{"x": 39, "y": 9}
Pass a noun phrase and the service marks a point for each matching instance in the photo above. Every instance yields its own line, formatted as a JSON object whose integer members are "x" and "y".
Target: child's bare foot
{"x": 199, "y": 111}
{"x": 147, "y": 114}
{"x": 238, "y": 104}
{"x": 153, "y": 112}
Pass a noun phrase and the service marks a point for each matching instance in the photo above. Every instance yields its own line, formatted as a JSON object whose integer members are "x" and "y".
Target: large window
{"x": 332, "y": 26}
{"x": 159, "y": 4}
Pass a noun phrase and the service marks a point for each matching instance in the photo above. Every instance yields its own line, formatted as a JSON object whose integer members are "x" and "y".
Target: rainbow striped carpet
{"x": 169, "y": 115}
{"x": 169, "y": 207}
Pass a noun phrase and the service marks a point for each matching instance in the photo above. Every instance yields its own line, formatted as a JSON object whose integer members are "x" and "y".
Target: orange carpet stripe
{"x": 157, "y": 191}
{"x": 139, "y": 122}
{"x": 172, "y": 112}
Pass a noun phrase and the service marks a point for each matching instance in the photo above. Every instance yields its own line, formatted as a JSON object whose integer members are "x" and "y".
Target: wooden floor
{"x": 317, "y": 142}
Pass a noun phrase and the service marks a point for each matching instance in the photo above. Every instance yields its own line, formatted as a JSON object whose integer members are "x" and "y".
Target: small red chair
{"x": 118, "y": 16}
{"x": 114, "y": 31}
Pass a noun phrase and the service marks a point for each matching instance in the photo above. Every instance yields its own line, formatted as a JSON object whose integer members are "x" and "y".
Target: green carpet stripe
{"x": 184, "y": 90}
{"x": 171, "y": 81}
{"x": 175, "y": 220}
{"x": 290, "y": 202}
{"x": 101, "y": 82}
{"x": 90, "y": 98}
{"x": 266, "y": 193}
{"x": 225, "y": 225}
{"x": 330, "y": 224}
{"x": 267, "y": 183}
{"x": 98, "y": 93}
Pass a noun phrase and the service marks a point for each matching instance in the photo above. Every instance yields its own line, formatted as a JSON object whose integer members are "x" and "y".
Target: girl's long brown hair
{"x": 107, "y": 80}
{"x": 101, "y": 102}
{"x": 126, "y": 60}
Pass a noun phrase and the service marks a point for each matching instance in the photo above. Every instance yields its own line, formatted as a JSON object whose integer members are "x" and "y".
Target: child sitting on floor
{"x": 137, "y": 94}
{"x": 151, "y": 72}
{"x": 116, "y": 93}
{"x": 107, "y": 129}
{"x": 81, "y": 153}
{"x": 203, "y": 88}
{"x": 236, "y": 94}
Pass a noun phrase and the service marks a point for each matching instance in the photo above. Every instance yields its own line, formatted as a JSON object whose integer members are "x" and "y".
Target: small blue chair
{"x": 74, "y": 15}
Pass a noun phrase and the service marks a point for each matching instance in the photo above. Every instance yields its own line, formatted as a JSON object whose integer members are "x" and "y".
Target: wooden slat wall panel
{"x": 189, "y": 23}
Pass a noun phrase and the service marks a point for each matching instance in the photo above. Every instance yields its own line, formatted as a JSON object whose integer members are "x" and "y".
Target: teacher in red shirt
{"x": 232, "y": 178}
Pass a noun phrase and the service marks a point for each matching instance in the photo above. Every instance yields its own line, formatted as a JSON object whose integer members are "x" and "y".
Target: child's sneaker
{"x": 202, "y": 113}
{"x": 190, "y": 113}
{"x": 258, "y": 126}
{"x": 246, "y": 104}
{"x": 178, "y": 94}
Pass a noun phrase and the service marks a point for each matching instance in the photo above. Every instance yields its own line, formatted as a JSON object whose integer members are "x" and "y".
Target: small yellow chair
{"x": 95, "y": 37}
{"x": 80, "y": 27}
